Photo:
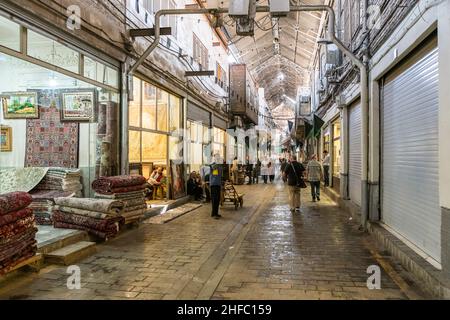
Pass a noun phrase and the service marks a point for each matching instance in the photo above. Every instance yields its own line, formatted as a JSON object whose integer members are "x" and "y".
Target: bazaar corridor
{"x": 262, "y": 251}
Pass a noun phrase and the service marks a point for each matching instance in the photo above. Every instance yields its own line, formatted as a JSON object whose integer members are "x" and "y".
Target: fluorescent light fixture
{"x": 290, "y": 99}
{"x": 324, "y": 41}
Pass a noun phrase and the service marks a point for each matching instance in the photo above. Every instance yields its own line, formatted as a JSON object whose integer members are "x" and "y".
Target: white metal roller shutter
{"x": 410, "y": 190}
{"x": 355, "y": 156}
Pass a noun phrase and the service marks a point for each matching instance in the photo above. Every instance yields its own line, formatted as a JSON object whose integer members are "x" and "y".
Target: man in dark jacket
{"x": 215, "y": 181}
{"x": 249, "y": 171}
{"x": 294, "y": 174}
{"x": 283, "y": 166}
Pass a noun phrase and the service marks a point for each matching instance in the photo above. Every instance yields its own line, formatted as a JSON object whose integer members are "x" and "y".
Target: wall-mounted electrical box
{"x": 238, "y": 8}
{"x": 279, "y": 8}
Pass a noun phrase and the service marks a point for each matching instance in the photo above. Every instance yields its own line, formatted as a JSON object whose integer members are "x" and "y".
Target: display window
{"x": 61, "y": 119}
{"x": 336, "y": 165}
{"x": 219, "y": 142}
{"x": 154, "y": 114}
{"x": 198, "y": 144}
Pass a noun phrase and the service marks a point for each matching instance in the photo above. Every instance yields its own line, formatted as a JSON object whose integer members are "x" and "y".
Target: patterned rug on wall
{"x": 50, "y": 142}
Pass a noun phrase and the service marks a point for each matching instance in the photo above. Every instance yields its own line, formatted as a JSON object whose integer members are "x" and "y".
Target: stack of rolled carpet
{"x": 99, "y": 217}
{"x": 62, "y": 179}
{"x": 127, "y": 189}
{"x": 17, "y": 230}
{"x": 58, "y": 182}
{"x": 43, "y": 203}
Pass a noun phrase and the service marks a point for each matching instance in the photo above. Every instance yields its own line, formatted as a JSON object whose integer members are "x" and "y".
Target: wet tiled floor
{"x": 262, "y": 251}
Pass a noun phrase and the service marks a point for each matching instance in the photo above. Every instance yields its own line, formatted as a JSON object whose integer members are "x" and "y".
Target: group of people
{"x": 266, "y": 170}
{"x": 206, "y": 184}
{"x": 293, "y": 173}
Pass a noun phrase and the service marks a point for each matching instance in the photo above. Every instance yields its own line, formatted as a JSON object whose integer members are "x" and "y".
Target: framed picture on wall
{"x": 79, "y": 105}
{"x": 178, "y": 185}
{"x": 5, "y": 139}
{"x": 20, "y": 105}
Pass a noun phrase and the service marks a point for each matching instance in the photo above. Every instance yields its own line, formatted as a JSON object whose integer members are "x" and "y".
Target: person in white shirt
{"x": 235, "y": 170}
{"x": 326, "y": 167}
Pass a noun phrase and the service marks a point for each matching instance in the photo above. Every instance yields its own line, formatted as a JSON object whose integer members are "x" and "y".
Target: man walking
{"x": 326, "y": 167}
{"x": 249, "y": 171}
{"x": 314, "y": 170}
{"x": 294, "y": 174}
{"x": 215, "y": 181}
{"x": 235, "y": 170}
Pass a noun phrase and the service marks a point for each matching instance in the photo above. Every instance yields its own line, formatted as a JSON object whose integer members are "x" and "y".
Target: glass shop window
{"x": 52, "y": 52}
{"x": 9, "y": 34}
{"x": 100, "y": 72}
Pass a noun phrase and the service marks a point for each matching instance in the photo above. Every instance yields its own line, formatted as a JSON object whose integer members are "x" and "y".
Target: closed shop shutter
{"x": 410, "y": 168}
{"x": 198, "y": 114}
{"x": 355, "y": 156}
{"x": 219, "y": 123}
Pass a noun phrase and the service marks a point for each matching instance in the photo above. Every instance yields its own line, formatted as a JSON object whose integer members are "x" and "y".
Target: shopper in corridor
{"x": 314, "y": 170}
{"x": 215, "y": 181}
{"x": 294, "y": 175}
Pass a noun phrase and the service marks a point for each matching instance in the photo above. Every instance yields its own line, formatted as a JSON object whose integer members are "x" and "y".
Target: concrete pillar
{"x": 374, "y": 151}
{"x": 444, "y": 130}
{"x": 344, "y": 153}
{"x": 124, "y": 119}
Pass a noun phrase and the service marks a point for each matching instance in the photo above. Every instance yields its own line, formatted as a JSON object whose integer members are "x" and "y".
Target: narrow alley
{"x": 261, "y": 252}
{"x": 210, "y": 150}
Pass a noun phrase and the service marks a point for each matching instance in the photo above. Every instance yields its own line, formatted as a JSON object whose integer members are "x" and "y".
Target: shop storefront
{"x": 336, "y": 155}
{"x": 59, "y": 105}
{"x": 199, "y": 140}
{"x": 154, "y": 117}
{"x": 59, "y": 116}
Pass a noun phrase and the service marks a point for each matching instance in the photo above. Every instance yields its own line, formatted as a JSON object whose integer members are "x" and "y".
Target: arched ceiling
{"x": 279, "y": 69}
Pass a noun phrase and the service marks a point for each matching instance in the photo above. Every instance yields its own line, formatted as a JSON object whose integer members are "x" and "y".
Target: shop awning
{"x": 318, "y": 124}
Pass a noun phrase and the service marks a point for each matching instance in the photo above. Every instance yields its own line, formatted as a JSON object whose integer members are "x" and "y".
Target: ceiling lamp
{"x": 324, "y": 41}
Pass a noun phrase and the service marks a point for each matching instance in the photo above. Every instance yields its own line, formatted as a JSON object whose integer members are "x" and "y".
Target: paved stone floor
{"x": 259, "y": 252}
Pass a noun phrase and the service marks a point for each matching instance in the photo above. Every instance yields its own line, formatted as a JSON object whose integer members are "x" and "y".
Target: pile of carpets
{"x": 43, "y": 203}
{"x": 62, "y": 179}
{"x": 17, "y": 230}
{"x": 99, "y": 217}
{"x": 57, "y": 183}
{"x": 127, "y": 189}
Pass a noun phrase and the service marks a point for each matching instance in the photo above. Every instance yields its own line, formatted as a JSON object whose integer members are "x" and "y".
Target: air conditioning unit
{"x": 239, "y": 8}
{"x": 280, "y": 8}
{"x": 334, "y": 56}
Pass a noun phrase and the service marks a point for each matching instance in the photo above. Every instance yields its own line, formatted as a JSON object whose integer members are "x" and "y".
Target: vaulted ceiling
{"x": 282, "y": 69}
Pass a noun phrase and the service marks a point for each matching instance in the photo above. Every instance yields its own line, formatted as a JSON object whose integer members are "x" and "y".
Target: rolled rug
{"x": 124, "y": 196}
{"x": 109, "y": 233}
{"x": 96, "y": 205}
{"x": 14, "y": 216}
{"x": 108, "y": 184}
{"x": 86, "y": 213}
{"x": 20, "y": 226}
{"x": 9, "y": 264}
{"x": 14, "y": 201}
{"x": 118, "y": 190}
{"x": 92, "y": 223}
